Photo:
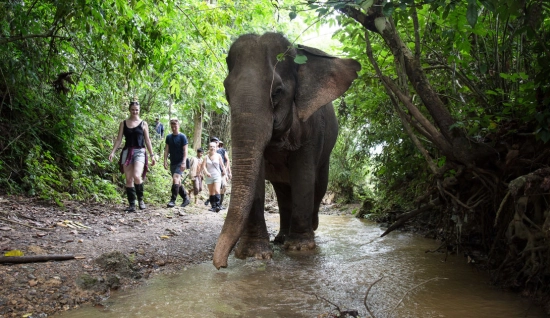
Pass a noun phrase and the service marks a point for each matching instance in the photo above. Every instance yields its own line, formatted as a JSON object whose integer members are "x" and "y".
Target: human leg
{"x": 212, "y": 196}
{"x": 174, "y": 196}
{"x": 196, "y": 187}
{"x": 182, "y": 192}
{"x": 139, "y": 194}
{"x": 175, "y": 190}
{"x": 215, "y": 197}
{"x": 222, "y": 191}
{"x": 184, "y": 196}
{"x": 130, "y": 189}
{"x": 139, "y": 164}
{"x": 176, "y": 180}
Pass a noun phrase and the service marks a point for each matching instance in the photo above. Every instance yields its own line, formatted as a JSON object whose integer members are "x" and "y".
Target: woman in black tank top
{"x": 133, "y": 159}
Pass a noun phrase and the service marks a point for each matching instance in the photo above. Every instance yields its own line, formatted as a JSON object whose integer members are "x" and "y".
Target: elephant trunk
{"x": 249, "y": 137}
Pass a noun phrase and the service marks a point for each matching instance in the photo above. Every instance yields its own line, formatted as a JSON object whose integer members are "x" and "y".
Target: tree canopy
{"x": 69, "y": 69}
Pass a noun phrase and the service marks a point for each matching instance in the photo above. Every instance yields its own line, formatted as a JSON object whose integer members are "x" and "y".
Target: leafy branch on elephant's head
{"x": 298, "y": 59}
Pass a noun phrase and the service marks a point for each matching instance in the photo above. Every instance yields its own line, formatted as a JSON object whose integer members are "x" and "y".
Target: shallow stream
{"x": 349, "y": 258}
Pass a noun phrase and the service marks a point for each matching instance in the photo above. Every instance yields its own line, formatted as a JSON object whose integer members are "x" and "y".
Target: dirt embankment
{"x": 113, "y": 250}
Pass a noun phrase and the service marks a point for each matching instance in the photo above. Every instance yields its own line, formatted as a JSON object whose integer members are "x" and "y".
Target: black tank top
{"x": 134, "y": 136}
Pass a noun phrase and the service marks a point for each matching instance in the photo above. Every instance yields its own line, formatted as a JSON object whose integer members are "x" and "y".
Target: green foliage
{"x": 543, "y": 125}
{"x": 44, "y": 176}
{"x": 69, "y": 68}
{"x": 300, "y": 59}
{"x": 484, "y": 60}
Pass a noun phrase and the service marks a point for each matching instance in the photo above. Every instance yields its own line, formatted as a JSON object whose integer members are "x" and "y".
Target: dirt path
{"x": 151, "y": 241}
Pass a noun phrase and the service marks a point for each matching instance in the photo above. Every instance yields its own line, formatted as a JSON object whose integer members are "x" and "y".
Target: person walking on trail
{"x": 222, "y": 152}
{"x": 176, "y": 146}
{"x": 195, "y": 174}
{"x": 133, "y": 160}
{"x": 159, "y": 129}
{"x": 214, "y": 169}
{"x": 225, "y": 157}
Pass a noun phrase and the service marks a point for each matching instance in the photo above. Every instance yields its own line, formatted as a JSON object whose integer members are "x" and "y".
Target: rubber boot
{"x": 217, "y": 198}
{"x": 139, "y": 193}
{"x": 131, "y": 194}
{"x": 212, "y": 201}
{"x": 184, "y": 196}
{"x": 175, "y": 190}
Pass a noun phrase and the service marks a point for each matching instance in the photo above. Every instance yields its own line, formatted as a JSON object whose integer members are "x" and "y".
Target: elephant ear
{"x": 321, "y": 79}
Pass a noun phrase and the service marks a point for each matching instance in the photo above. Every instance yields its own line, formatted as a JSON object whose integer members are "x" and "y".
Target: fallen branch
{"x": 408, "y": 291}
{"x": 367, "y": 295}
{"x": 437, "y": 249}
{"x": 409, "y": 215}
{"x": 23, "y": 224}
{"x": 341, "y": 313}
{"x": 35, "y": 258}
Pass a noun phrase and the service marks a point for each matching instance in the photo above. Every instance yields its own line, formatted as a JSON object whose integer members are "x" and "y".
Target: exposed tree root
{"x": 497, "y": 216}
{"x": 527, "y": 262}
{"x": 402, "y": 219}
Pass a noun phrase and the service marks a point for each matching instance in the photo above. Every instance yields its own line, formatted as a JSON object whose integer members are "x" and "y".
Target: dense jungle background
{"x": 448, "y": 124}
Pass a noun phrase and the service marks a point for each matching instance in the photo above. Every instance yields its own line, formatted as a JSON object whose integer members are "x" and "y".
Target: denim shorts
{"x": 214, "y": 179}
{"x": 176, "y": 169}
{"x": 137, "y": 156}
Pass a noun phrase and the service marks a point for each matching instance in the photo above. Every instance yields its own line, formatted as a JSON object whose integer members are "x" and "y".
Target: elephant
{"x": 283, "y": 129}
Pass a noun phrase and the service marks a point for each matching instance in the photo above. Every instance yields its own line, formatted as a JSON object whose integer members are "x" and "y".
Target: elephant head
{"x": 270, "y": 96}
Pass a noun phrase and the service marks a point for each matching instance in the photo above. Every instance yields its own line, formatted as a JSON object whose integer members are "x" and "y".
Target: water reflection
{"x": 349, "y": 258}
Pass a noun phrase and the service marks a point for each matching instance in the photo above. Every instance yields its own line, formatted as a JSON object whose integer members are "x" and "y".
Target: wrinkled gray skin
{"x": 283, "y": 128}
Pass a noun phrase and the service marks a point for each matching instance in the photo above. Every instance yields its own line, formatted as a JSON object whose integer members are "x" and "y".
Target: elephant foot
{"x": 300, "y": 242}
{"x": 257, "y": 248}
{"x": 280, "y": 238}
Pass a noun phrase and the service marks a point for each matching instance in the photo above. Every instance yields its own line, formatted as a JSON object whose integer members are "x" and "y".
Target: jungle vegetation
{"x": 448, "y": 123}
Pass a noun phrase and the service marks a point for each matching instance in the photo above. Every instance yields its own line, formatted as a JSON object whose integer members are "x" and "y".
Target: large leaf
{"x": 471, "y": 13}
{"x": 388, "y": 9}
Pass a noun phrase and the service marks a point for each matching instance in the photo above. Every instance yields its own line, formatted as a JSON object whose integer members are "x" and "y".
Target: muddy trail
{"x": 111, "y": 249}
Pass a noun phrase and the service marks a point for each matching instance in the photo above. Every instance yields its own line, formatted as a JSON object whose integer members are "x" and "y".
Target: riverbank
{"x": 112, "y": 249}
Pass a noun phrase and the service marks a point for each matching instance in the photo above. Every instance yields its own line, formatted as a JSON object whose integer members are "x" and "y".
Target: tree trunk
{"x": 453, "y": 144}
{"x": 197, "y": 131}
{"x": 170, "y": 104}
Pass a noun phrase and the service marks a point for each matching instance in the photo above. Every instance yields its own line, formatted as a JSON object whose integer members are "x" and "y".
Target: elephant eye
{"x": 275, "y": 94}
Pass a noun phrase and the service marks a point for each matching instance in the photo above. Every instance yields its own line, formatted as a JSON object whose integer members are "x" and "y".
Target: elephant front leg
{"x": 254, "y": 242}
{"x": 301, "y": 235}
{"x": 284, "y": 200}
{"x": 300, "y": 241}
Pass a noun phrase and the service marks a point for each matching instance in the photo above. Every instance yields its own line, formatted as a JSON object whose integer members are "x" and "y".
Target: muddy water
{"x": 350, "y": 257}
